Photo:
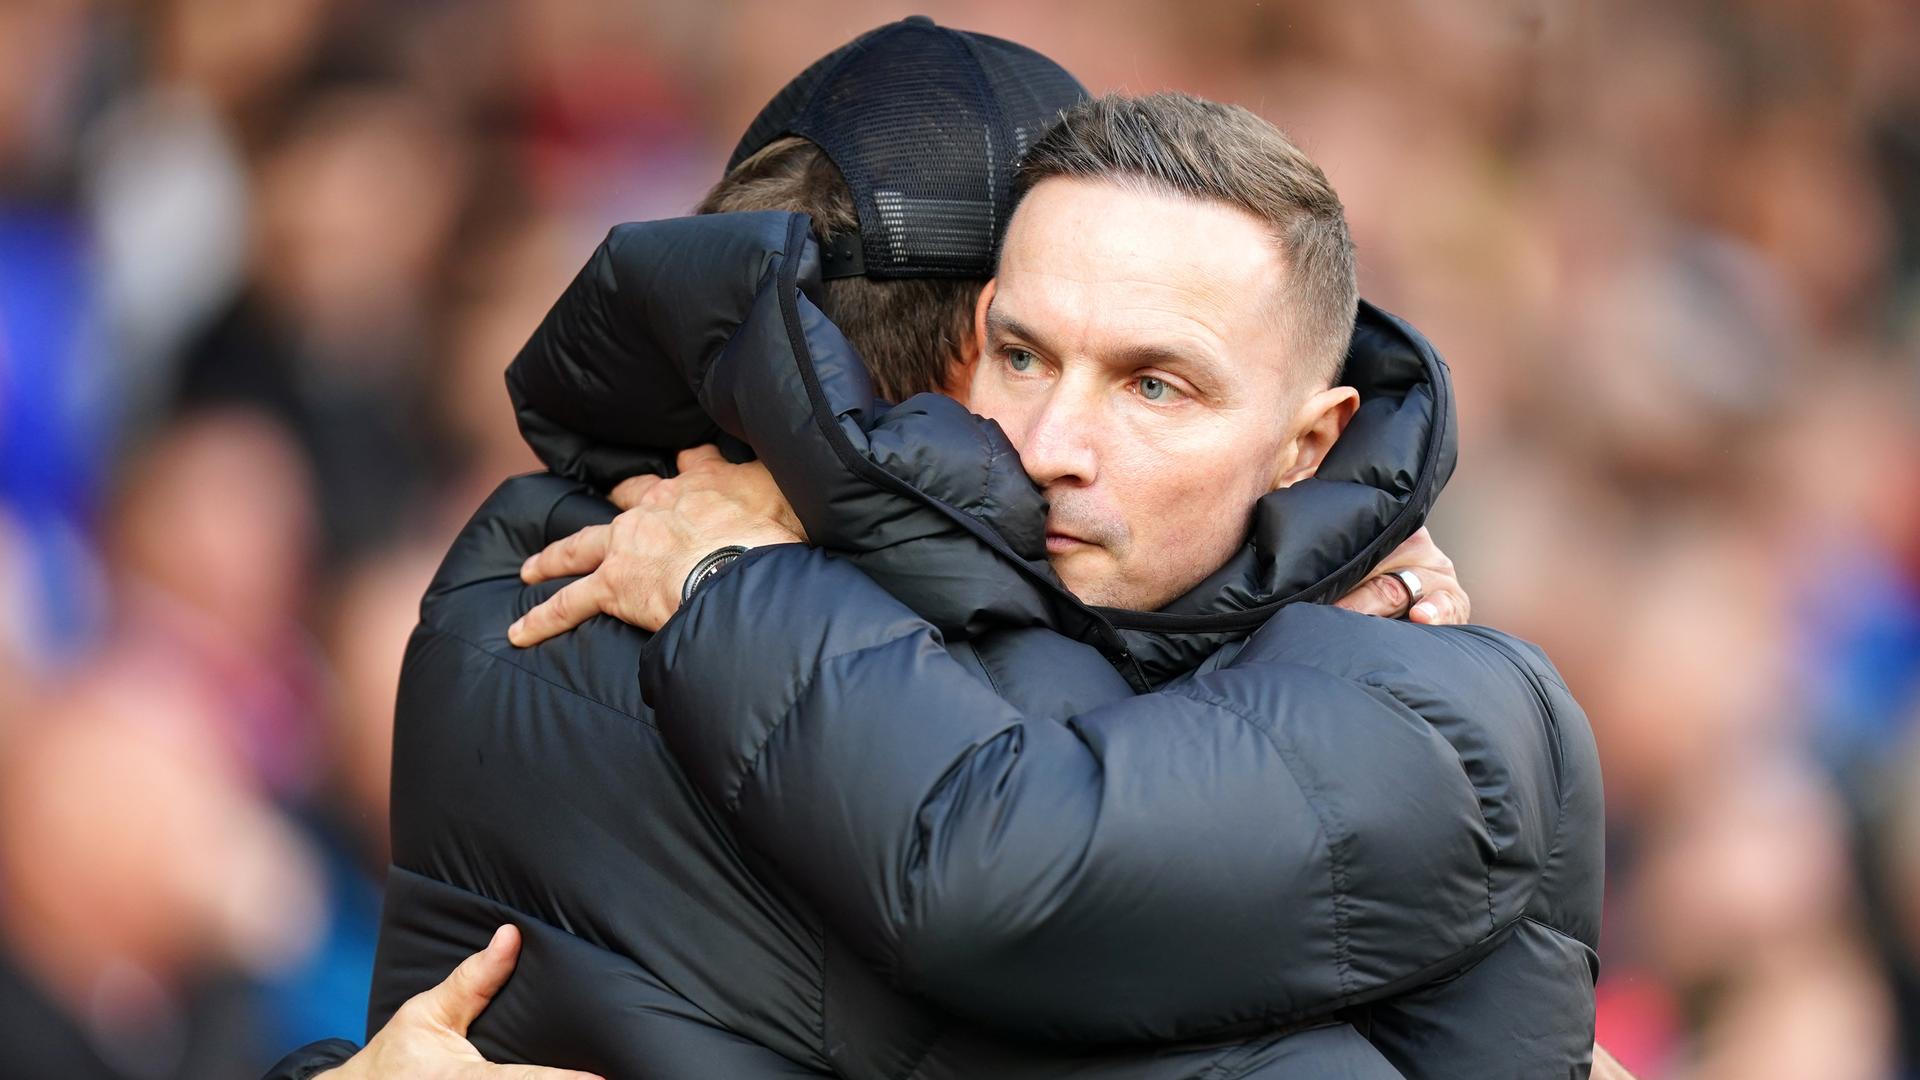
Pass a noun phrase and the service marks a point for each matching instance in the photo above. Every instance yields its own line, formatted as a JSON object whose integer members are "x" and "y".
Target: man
{"x": 1172, "y": 304}
{"x": 497, "y": 519}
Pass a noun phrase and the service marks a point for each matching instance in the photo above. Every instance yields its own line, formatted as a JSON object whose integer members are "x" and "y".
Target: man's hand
{"x": 636, "y": 565}
{"x": 1444, "y": 602}
{"x": 703, "y": 469}
{"x": 427, "y": 1038}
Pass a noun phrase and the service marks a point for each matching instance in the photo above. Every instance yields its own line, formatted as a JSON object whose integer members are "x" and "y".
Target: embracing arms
{"x": 1245, "y": 849}
{"x": 628, "y": 568}
{"x": 884, "y": 864}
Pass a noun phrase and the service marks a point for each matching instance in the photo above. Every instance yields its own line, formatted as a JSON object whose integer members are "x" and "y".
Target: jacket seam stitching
{"x": 820, "y": 985}
{"x": 751, "y": 765}
{"x": 711, "y": 1020}
{"x": 1552, "y": 929}
{"x": 1493, "y": 919}
{"x": 546, "y": 520}
{"x": 1217, "y": 1066}
{"x": 438, "y": 589}
{"x": 1330, "y": 827}
{"x": 1593, "y": 955}
{"x": 986, "y": 669}
{"x": 986, "y": 473}
{"x": 920, "y": 1059}
{"x": 1563, "y": 791}
{"x": 532, "y": 674}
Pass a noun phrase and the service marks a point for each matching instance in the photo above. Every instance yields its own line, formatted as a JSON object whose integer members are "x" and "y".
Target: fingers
{"x": 1386, "y": 596}
{"x": 1444, "y": 602}
{"x": 572, "y": 605}
{"x": 626, "y": 494}
{"x": 1445, "y": 606}
{"x": 693, "y": 459}
{"x": 464, "y": 994}
{"x": 1433, "y": 611}
{"x": 581, "y": 553}
{"x": 1383, "y": 595}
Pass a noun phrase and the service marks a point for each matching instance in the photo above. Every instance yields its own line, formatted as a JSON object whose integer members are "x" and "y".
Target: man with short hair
{"x": 1210, "y": 368}
{"x": 1315, "y": 817}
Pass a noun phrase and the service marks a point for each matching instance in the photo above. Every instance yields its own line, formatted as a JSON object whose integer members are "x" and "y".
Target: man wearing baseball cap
{"x": 532, "y": 788}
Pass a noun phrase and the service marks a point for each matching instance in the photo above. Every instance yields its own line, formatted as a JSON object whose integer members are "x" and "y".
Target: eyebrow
{"x": 1001, "y": 324}
{"x": 1203, "y": 371}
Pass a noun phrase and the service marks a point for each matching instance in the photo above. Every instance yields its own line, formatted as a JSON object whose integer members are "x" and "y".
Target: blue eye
{"x": 1020, "y": 359}
{"x": 1154, "y": 389}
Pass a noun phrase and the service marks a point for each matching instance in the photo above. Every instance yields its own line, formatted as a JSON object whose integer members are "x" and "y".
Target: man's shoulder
{"x": 520, "y": 517}
{"x": 1470, "y": 667}
{"x": 477, "y": 593}
{"x": 1519, "y": 736}
{"x": 1473, "y": 683}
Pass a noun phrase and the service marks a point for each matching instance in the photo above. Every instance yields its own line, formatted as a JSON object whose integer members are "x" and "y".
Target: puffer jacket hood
{"x": 719, "y": 337}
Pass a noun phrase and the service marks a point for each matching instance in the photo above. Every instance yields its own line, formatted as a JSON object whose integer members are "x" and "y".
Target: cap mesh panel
{"x": 925, "y": 123}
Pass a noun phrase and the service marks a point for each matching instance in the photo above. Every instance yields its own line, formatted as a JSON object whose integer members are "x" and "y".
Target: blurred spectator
{"x": 209, "y": 548}
{"x": 355, "y": 208}
{"x": 498, "y": 293}
{"x": 144, "y": 878}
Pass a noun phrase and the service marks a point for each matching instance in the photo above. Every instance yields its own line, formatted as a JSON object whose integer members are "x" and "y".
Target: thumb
{"x": 466, "y": 992}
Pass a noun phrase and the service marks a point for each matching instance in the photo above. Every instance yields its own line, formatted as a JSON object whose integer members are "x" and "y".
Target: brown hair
{"x": 910, "y": 330}
{"x": 1189, "y": 146}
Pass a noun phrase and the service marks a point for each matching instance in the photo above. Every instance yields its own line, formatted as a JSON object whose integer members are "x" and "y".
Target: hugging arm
{"x": 623, "y": 574}
{"x": 1243, "y": 851}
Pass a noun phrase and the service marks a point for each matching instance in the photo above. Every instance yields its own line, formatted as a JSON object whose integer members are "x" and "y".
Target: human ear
{"x": 959, "y": 384}
{"x": 1317, "y": 426}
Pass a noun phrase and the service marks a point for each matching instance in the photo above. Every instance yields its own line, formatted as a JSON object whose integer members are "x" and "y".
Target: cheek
{"x": 1159, "y": 495}
{"x": 1195, "y": 504}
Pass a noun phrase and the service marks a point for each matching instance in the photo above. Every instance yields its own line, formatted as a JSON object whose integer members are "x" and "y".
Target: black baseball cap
{"x": 926, "y": 124}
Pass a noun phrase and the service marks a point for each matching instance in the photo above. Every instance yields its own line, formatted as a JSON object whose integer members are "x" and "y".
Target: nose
{"x": 1057, "y": 443}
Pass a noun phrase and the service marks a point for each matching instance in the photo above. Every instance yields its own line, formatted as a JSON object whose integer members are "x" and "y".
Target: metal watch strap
{"x": 708, "y": 567}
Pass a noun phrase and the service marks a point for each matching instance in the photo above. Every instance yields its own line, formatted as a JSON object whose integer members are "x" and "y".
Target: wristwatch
{"x": 704, "y": 570}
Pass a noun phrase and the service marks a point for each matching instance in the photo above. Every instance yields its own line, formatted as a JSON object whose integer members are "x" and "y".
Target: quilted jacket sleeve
{"x": 1260, "y": 846}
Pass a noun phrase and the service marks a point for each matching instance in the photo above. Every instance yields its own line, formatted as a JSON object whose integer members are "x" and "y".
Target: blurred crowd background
{"x": 262, "y": 263}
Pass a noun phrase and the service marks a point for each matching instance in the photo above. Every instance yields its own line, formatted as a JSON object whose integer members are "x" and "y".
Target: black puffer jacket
{"x": 992, "y": 853}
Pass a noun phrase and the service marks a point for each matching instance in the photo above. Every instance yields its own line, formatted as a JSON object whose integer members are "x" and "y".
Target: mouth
{"x": 1059, "y": 543}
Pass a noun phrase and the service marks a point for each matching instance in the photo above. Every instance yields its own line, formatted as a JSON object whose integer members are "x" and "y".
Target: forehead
{"x": 1106, "y": 260}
